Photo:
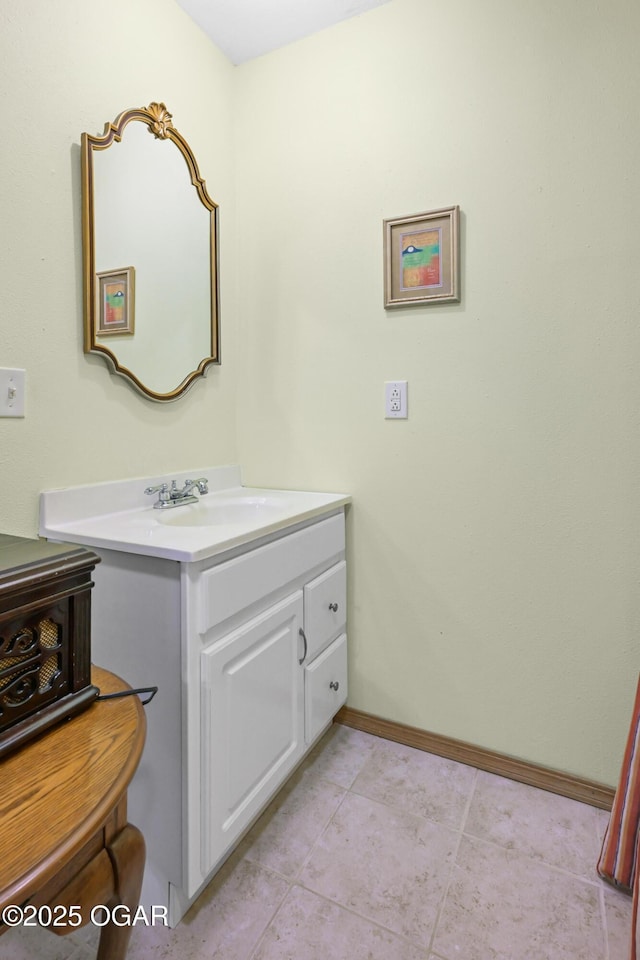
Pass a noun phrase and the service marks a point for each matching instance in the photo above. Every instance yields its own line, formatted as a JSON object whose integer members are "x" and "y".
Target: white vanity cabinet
{"x": 269, "y": 669}
{"x": 235, "y": 607}
{"x": 248, "y": 650}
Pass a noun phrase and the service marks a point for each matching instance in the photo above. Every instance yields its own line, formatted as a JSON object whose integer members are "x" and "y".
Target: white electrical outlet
{"x": 395, "y": 400}
{"x": 12, "y": 392}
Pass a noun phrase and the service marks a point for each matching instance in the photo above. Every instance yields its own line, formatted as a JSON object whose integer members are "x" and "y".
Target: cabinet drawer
{"x": 325, "y": 607}
{"x": 325, "y": 687}
{"x": 234, "y": 585}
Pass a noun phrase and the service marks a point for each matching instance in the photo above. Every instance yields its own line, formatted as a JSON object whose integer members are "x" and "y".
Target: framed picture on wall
{"x": 116, "y": 299}
{"x": 422, "y": 258}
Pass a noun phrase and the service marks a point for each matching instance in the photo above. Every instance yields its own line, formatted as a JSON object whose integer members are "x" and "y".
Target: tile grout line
{"x": 361, "y": 916}
{"x": 346, "y": 790}
{"x": 315, "y": 843}
{"x": 295, "y": 880}
{"x": 298, "y": 882}
{"x": 454, "y": 859}
{"x": 602, "y": 888}
{"x": 603, "y": 919}
{"x": 258, "y": 943}
{"x": 563, "y": 871}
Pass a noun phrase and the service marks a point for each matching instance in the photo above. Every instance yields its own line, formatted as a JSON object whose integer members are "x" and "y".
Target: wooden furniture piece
{"x": 45, "y": 636}
{"x": 64, "y": 837}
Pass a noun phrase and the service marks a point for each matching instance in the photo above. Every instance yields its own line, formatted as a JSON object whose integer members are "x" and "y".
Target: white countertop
{"x": 118, "y": 515}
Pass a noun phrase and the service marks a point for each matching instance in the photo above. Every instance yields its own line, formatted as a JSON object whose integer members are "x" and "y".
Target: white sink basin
{"x": 218, "y": 508}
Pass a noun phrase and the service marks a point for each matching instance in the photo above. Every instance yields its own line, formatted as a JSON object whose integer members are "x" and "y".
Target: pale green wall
{"x": 493, "y": 536}
{"x": 68, "y": 66}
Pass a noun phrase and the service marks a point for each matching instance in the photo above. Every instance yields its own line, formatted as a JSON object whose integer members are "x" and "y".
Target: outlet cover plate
{"x": 395, "y": 400}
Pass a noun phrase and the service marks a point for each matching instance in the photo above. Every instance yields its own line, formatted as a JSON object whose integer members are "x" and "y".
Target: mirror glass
{"x": 149, "y": 253}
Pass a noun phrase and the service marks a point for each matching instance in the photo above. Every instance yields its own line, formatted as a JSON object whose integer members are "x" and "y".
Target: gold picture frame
{"x": 422, "y": 258}
{"x": 116, "y": 302}
{"x": 130, "y": 182}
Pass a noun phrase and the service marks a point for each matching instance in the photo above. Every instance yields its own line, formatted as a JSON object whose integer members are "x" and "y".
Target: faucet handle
{"x": 162, "y": 489}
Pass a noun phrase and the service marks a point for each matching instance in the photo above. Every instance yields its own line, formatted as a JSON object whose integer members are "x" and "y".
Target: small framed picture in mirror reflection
{"x": 116, "y": 301}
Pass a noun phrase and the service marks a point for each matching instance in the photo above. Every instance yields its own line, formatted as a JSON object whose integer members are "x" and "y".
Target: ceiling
{"x": 244, "y": 29}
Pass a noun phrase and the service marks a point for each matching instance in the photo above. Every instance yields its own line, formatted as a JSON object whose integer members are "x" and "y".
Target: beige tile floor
{"x": 376, "y": 851}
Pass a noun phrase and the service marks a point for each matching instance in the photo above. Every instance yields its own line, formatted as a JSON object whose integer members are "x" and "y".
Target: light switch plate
{"x": 12, "y": 390}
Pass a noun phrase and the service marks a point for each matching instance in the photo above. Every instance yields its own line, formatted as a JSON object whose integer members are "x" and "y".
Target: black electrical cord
{"x": 128, "y": 693}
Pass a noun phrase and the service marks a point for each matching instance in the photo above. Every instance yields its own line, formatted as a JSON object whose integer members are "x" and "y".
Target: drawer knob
{"x": 333, "y": 607}
{"x": 334, "y": 685}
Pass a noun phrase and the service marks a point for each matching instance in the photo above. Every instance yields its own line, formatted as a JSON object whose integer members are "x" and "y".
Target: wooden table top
{"x": 58, "y": 790}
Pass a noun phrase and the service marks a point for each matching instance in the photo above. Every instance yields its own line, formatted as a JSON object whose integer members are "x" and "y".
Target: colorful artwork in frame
{"x": 116, "y": 300}
{"x": 421, "y": 255}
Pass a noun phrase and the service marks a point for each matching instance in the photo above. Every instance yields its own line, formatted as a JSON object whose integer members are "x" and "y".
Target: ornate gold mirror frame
{"x": 150, "y": 255}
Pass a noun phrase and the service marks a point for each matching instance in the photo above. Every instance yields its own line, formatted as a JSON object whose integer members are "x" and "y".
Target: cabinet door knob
{"x": 333, "y": 607}
{"x": 334, "y": 685}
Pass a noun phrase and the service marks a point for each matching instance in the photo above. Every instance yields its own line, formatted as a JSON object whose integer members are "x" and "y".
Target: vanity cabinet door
{"x": 252, "y": 719}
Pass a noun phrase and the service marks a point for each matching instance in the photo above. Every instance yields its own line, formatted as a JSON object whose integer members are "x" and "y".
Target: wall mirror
{"x": 149, "y": 232}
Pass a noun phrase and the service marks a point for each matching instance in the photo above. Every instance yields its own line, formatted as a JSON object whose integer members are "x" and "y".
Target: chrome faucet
{"x": 173, "y": 497}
